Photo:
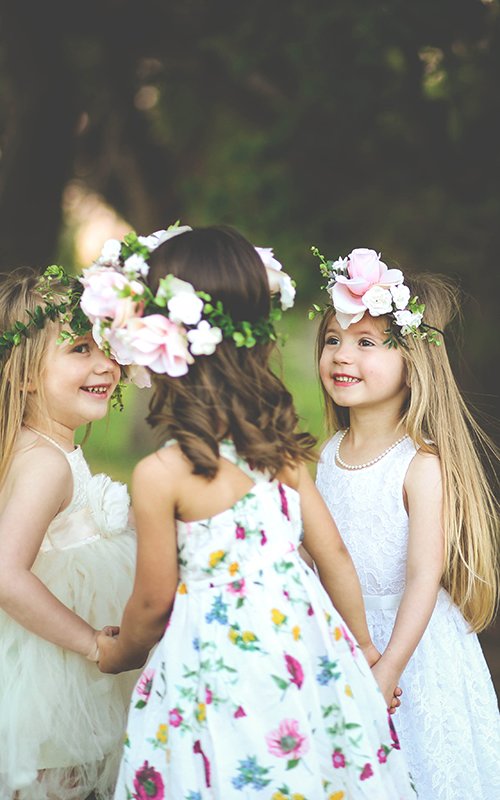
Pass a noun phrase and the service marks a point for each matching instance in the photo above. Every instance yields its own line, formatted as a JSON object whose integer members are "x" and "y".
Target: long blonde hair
{"x": 21, "y": 368}
{"x": 438, "y": 420}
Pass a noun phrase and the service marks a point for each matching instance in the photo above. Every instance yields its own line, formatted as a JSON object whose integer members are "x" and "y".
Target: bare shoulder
{"x": 161, "y": 470}
{"x": 424, "y": 470}
{"x": 38, "y": 477}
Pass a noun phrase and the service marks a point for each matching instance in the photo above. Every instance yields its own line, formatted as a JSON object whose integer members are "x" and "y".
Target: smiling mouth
{"x": 346, "y": 380}
{"x": 97, "y": 390}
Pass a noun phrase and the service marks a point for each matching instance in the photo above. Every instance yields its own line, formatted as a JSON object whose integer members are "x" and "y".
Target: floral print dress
{"x": 257, "y": 689}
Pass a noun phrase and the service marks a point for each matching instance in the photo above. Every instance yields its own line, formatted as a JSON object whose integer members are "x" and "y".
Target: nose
{"x": 343, "y": 353}
{"x": 103, "y": 363}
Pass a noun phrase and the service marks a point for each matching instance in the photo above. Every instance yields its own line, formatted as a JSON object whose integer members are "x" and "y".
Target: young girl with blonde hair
{"x": 67, "y": 553}
{"x": 256, "y": 687}
{"x": 404, "y": 481}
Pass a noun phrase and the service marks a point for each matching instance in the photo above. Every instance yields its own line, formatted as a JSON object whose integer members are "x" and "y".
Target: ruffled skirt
{"x": 61, "y": 719}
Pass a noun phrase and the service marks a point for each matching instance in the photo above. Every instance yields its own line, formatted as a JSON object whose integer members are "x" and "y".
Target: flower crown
{"x": 362, "y": 282}
{"x": 57, "y": 306}
{"x": 165, "y": 331}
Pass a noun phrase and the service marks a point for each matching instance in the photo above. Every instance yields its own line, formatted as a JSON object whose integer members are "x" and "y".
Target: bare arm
{"x": 424, "y": 568}
{"x": 336, "y": 570}
{"x": 156, "y": 578}
{"x": 37, "y": 490}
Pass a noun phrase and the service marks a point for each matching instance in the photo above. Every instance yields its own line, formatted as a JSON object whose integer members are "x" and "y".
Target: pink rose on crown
{"x": 102, "y": 289}
{"x": 154, "y": 342}
{"x": 365, "y": 287}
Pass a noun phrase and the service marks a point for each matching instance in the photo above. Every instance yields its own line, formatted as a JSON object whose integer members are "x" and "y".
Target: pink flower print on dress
{"x": 338, "y": 759}
{"x": 382, "y": 755}
{"x": 366, "y": 773}
{"x": 208, "y": 695}
{"x": 284, "y": 501}
{"x": 349, "y": 641}
{"x": 287, "y": 741}
{"x": 263, "y": 538}
{"x": 240, "y": 712}
{"x": 175, "y": 717}
{"x": 294, "y": 667}
{"x": 240, "y": 532}
{"x": 237, "y": 588}
{"x": 144, "y": 687}
{"x": 206, "y": 763}
{"x": 148, "y": 784}
{"x": 394, "y": 736}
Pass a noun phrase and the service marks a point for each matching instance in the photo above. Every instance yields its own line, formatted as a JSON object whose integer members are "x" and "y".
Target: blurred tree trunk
{"x": 37, "y": 157}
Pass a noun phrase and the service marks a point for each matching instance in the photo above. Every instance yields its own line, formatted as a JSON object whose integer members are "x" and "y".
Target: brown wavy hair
{"x": 233, "y": 393}
{"x": 439, "y": 421}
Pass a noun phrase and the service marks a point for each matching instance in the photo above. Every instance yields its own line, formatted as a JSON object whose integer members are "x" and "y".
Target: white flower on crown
{"x": 378, "y": 301}
{"x": 408, "y": 320}
{"x": 185, "y": 307}
{"x": 279, "y": 281}
{"x": 157, "y": 238}
{"x": 204, "y": 338}
{"x": 135, "y": 265}
{"x": 110, "y": 252}
{"x": 400, "y": 295}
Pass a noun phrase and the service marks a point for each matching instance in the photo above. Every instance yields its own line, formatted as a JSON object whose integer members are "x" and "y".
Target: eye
{"x": 83, "y": 347}
{"x": 366, "y": 343}
{"x": 331, "y": 339}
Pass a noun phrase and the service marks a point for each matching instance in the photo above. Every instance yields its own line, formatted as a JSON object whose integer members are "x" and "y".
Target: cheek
{"x": 324, "y": 367}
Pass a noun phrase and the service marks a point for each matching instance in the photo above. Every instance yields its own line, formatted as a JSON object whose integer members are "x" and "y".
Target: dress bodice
{"x": 98, "y": 508}
{"x": 260, "y": 528}
{"x": 367, "y": 505}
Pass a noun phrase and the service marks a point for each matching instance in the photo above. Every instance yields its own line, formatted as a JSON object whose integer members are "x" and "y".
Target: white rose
{"x": 400, "y": 295}
{"x": 111, "y": 250}
{"x": 378, "y": 301}
{"x": 109, "y": 502}
{"x": 185, "y": 307}
{"x": 204, "y": 339}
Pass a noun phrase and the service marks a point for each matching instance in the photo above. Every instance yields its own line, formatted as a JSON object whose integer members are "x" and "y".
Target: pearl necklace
{"x": 367, "y": 463}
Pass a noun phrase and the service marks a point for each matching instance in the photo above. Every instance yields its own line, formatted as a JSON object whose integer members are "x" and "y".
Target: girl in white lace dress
{"x": 67, "y": 555}
{"x": 256, "y": 688}
{"x": 405, "y": 485}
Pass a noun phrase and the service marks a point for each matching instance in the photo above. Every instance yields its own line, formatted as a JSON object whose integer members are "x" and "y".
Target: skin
{"x": 39, "y": 485}
{"x": 375, "y": 399}
{"x": 163, "y": 490}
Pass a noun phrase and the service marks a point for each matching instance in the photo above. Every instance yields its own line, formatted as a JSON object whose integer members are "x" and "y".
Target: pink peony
{"x": 365, "y": 270}
{"x": 102, "y": 286}
{"x": 287, "y": 741}
{"x": 148, "y": 784}
{"x": 153, "y": 342}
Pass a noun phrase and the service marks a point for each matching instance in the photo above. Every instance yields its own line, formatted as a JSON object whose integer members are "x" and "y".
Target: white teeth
{"x": 96, "y": 389}
{"x": 345, "y": 379}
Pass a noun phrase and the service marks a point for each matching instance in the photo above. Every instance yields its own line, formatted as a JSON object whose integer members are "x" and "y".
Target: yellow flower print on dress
{"x": 277, "y": 616}
{"x": 201, "y": 712}
{"x": 216, "y": 557}
{"x": 233, "y": 568}
{"x": 162, "y": 734}
{"x": 296, "y": 632}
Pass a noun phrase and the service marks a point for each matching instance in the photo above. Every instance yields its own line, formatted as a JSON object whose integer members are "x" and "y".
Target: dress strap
{"x": 228, "y": 451}
{"x": 48, "y": 439}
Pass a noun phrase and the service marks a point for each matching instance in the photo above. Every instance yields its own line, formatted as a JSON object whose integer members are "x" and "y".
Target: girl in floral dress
{"x": 67, "y": 552}
{"x": 260, "y": 685}
{"x": 404, "y": 482}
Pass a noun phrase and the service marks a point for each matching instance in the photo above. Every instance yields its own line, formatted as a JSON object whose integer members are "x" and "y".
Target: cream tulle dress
{"x": 61, "y": 720}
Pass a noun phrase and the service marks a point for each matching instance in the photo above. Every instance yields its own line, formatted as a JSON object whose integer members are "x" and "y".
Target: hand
{"x": 107, "y": 640}
{"x": 387, "y": 682}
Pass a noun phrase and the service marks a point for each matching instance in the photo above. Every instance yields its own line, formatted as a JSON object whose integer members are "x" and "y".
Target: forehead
{"x": 367, "y": 325}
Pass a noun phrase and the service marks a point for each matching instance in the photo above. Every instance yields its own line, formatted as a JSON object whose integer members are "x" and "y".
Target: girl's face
{"x": 358, "y": 370}
{"x": 77, "y": 382}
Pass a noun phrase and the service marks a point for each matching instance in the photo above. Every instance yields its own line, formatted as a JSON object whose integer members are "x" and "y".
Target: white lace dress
{"x": 448, "y": 723}
{"x": 61, "y": 720}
